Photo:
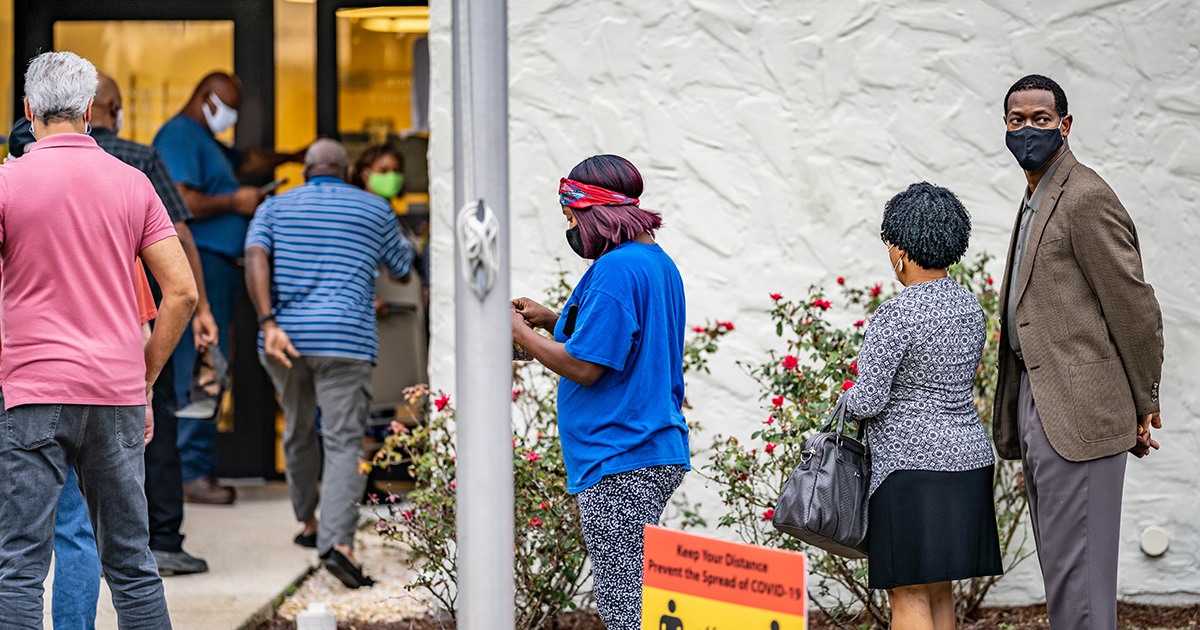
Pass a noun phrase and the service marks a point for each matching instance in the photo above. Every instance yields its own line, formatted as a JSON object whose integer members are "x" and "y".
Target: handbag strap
{"x": 838, "y": 414}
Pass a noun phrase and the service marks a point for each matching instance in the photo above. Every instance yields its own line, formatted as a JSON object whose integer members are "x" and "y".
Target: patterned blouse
{"x": 915, "y": 376}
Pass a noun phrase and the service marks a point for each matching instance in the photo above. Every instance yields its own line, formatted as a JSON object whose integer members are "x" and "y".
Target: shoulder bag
{"x": 824, "y": 502}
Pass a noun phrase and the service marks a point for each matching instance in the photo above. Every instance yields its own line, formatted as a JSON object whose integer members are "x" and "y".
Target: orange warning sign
{"x": 692, "y": 582}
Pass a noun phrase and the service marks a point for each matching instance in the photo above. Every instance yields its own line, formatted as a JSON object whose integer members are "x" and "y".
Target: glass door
{"x": 156, "y": 64}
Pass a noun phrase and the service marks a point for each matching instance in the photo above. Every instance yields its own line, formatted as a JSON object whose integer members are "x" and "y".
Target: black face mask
{"x": 575, "y": 241}
{"x": 1033, "y": 147}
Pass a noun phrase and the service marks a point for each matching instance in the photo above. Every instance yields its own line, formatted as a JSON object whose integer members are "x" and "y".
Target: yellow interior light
{"x": 421, "y": 13}
{"x": 395, "y": 25}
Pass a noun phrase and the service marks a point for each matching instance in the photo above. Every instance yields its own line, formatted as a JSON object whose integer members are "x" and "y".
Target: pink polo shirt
{"x": 72, "y": 221}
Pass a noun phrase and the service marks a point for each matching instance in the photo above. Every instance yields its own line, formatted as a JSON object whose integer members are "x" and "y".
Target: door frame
{"x": 248, "y": 450}
{"x": 327, "y": 61}
{"x": 253, "y": 54}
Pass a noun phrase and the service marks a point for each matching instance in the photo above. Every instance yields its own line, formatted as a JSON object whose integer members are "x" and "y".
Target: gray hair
{"x": 326, "y": 152}
{"x": 59, "y": 86}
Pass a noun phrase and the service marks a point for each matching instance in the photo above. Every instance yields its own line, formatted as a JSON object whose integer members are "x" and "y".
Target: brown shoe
{"x": 207, "y": 490}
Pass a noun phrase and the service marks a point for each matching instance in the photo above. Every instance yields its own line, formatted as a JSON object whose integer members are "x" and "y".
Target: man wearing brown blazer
{"x": 1080, "y": 358}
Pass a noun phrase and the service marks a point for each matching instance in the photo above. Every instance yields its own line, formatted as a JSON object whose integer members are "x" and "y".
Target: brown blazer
{"x": 1090, "y": 327}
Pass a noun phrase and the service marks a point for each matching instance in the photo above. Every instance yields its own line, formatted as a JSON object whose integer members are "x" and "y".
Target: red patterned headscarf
{"x": 575, "y": 194}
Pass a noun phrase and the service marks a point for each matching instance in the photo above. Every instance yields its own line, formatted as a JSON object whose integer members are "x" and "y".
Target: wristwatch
{"x": 266, "y": 318}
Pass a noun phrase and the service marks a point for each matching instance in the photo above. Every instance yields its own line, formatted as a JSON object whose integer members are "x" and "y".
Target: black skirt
{"x": 925, "y": 527}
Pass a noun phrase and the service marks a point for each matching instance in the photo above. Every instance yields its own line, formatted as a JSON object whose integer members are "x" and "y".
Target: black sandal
{"x": 306, "y": 540}
{"x": 342, "y": 569}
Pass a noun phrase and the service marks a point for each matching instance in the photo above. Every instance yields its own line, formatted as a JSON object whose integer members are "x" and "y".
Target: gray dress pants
{"x": 342, "y": 388}
{"x": 1076, "y": 512}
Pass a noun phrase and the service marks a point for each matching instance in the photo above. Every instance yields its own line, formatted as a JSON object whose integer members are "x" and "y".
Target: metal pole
{"x": 482, "y": 328}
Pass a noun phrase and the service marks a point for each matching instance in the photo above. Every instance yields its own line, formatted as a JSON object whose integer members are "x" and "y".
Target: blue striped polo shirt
{"x": 327, "y": 240}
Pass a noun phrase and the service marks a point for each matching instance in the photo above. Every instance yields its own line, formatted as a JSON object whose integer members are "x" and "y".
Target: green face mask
{"x": 386, "y": 185}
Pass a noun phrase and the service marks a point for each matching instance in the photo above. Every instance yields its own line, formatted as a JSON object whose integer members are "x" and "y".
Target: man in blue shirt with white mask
{"x": 206, "y": 172}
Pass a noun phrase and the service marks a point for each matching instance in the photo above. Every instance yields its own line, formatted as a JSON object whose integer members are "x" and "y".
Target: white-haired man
{"x": 318, "y": 342}
{"x": 75, "y": 372}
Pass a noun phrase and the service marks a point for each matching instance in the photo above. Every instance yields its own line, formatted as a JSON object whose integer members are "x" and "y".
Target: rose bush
{"x": 551, "y": 568}
{"x": 798, "y": 385}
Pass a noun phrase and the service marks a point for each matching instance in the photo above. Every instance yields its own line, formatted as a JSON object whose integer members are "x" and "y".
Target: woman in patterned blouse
{"x": 931, "y": 514}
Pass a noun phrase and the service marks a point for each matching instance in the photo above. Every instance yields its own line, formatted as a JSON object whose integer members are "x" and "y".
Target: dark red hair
{"x": 604, "y": 228}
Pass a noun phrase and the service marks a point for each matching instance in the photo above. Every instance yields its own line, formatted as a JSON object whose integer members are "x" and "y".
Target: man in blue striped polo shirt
{"x": 311, "y": 259}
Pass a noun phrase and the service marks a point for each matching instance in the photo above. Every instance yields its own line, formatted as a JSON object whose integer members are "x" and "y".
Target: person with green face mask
{"x": 380, "y": 170}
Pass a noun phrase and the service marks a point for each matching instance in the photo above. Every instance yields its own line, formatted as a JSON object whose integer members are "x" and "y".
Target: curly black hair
{"x": 929, "y": 224}
{"x": 1039, "y": 82}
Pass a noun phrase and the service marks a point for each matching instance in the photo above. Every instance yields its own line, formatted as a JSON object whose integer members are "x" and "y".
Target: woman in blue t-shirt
{"x": 618, "y": 346}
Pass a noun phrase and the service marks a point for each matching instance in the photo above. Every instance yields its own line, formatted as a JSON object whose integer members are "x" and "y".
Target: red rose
{"x": 699, "y": 329}
{"x": 544, "y": 505}
{"x": 532, "y": 457}
{"x": 777, "y": 401}
{"x": 441, "y": 403}
{"x": 769, "y": 420}
{"x": 776, "y": 296}
{"x": 516, "y": 393}
{"x": 847, "y": 385}
{"x": 859, "y": 323}
{"x": 789, "y": 362}
{"x": 990, "y": 281}
{"x": 824, "y": 304}
{"x": 727, "y": 325}
{"x": 770, "y": 447}
{"x": 768, "y": 514}
{"x": 535, "y": 522}
{"x": 876, "y": 290}
{"x": 454, "y": 485}
{"x": 854, "y": 367}
{"x": 841, "y": 280}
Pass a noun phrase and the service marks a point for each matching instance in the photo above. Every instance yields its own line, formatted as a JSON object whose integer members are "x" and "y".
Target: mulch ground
{"x": 1130, "y": 617}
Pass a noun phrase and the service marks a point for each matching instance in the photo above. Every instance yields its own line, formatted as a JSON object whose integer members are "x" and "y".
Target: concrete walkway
{"x": 251, "y": 560}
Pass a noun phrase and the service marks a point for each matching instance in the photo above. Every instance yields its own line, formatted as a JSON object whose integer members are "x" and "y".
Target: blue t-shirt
{"x": 326, "y": 239}
{"x": 630, "y": 318}
{"x": 195, "y": 158}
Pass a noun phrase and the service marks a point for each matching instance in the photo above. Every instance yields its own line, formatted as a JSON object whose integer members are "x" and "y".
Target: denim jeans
{"x": 76, "y": 562}
{"x": 223, "y": 282}
{"x": 38, "y": 443}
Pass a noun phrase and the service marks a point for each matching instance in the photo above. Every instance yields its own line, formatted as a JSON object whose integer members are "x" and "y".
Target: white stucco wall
{"x": 770, "y": 133}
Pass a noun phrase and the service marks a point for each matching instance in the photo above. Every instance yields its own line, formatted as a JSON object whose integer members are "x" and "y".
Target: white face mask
{"x": 222, "y": 117}
{"x": 120, "y": 121}
{"x": 896, "y": 267}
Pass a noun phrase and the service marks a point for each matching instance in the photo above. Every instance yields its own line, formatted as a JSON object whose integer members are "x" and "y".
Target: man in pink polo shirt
{"x": 75, "y": 373}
